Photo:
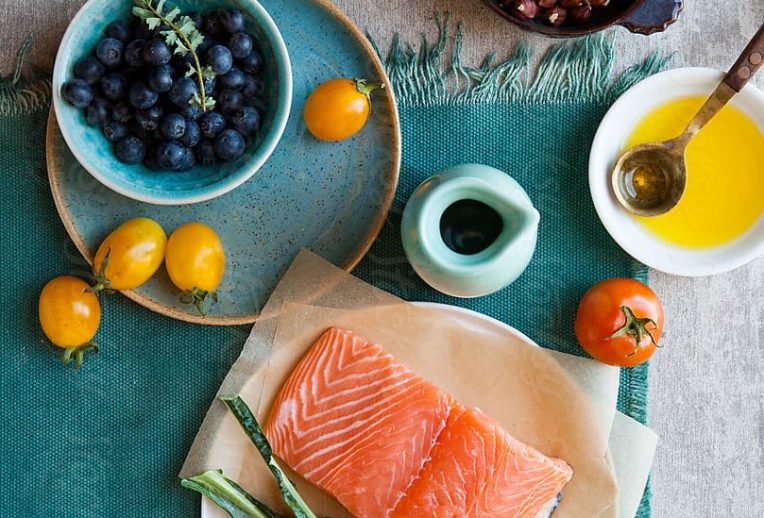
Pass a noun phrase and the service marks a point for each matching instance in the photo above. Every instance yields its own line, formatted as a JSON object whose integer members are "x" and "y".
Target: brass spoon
{"x": 649, "y": 179}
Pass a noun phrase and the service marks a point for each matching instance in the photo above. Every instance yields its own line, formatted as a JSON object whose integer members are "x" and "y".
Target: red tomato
{"x": 619, "y": 322}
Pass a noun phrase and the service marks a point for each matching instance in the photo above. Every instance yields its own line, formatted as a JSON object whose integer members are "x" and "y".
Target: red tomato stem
{"x": 635, "y": 327}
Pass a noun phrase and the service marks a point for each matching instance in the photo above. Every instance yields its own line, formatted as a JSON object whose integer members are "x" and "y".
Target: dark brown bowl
{"x": 638, "y": 16}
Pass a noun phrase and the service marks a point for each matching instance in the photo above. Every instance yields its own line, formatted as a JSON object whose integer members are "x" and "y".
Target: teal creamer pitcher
{"x": 470, "y": 230}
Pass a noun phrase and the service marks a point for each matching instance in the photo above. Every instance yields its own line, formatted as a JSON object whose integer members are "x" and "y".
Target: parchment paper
{"x": 310, "y": 280}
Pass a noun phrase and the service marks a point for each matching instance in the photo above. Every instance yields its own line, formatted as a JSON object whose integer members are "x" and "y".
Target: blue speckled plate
{"x": 330, "y": 198}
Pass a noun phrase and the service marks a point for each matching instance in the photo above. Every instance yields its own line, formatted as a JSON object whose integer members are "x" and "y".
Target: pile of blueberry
{"x": 136, "y": 91}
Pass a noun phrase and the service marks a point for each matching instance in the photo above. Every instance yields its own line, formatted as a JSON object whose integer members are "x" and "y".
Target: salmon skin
{"x": 386, "y": 443}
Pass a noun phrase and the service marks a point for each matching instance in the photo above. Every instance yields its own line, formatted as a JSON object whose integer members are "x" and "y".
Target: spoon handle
{"x": 749, "y": 62}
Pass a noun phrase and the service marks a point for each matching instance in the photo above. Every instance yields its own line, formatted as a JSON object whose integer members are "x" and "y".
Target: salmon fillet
{"x": 476, "y": 469}
{"x": 385, "y": 442}
{"x": 332, "y": 422}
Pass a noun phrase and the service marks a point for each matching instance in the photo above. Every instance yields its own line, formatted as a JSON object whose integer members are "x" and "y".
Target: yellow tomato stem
{"x": 101, "y": 282}
{"x": 367, "y": 88}
{"x": 197, "y": 297}
{"x": 77, "y": 354}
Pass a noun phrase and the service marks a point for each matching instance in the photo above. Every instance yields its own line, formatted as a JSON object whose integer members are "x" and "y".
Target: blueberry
{"x": 156, "y": 52}
{"x": 205, "y": 152}
{"x": 170, "y": 155}
{"x": 240, "y": 45}
{"x": 115, "y": 131}
{"x": 77, "y": 93}
{"x": 229, "y": 101}
{"x": 160, "y": 78}
{"x": 188, "y": 161}
{"x": 149, "y": 119}
{"x": 143, "y": 31}
{"x": 246, "y": 120}
{"x": 134, "y": 53}
{"x": 119, "y": 30}
{"x": 109, "y": 51}
{"x": 141, "y": 96}
{"x": 211, "y": 124}
{"x": 251, "y": 64}
{"x": 130, "y": 150}
{"x": 182, "y": 90}
{"x": 122, "y": 112}
{"x": 114, "y": 85}
{"x": 89, "y": 69}
{"x": 220, "y": 59}
{"x": 253, "y": 87}
{"x": 231, "y": 20}
{"x": 212, "y": 26}
{"x": 138, "y": 132}
{"x": 233, "y": 79}
{"x": 173, "y": 126}
{"x": 191, "y": 112}
{"x": 98, "y": 112}
{"x": 193, "y": 134}
{"x": 229, "y": 145}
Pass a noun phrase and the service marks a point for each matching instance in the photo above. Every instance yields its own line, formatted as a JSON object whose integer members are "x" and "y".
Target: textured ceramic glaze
{"x": 165, "y": 187}
{"x": 489, "y": 270}
{"x": 329, "y": 197}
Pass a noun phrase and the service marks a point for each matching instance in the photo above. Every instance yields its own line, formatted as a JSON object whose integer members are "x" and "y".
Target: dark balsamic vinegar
{"x": 469, "y": 226}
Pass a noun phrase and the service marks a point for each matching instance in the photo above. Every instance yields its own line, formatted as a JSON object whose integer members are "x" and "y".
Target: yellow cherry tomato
{"x": 130, "y": 255}
{"x": 70, "y": 315}
{"x": 195, "y": 261}
{"x": 339, "y": 108}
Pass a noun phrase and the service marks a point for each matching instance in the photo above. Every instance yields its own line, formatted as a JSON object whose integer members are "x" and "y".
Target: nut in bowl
{"x": 565, "y": 18}
{"x": 152, "y": 131}
{"x": 719, "y": 224}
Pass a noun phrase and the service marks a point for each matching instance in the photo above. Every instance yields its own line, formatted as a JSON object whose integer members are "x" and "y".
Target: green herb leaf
{"x": 171, "y": 37}
{"x": 250, "y": 425}
{"x": 196, "y": 39}
{"x": 188, "y": 27}
{"x": 208, "y": 72}
{"x": 211, "y": 102}
{"x": 228, "y": 495}
{"x": 153, "y": 22}
{"x": 191, "y": 70}
{"x": 180, "y": 48}
{"x": 160, "y": 6}
{"x": 142, "y": 13}
{"x": 172, "y": 14}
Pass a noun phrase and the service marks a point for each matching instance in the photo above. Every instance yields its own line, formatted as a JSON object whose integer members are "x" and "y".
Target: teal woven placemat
{"x": 538, "y": 128}
{"x": 109, "y": 439}
{"x": 106, "y": 441}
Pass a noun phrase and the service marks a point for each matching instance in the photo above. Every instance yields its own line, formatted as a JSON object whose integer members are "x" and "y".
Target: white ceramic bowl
{"x": 612, "y": 134}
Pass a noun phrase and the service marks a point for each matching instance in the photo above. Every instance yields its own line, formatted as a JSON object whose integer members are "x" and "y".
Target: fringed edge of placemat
{"x": 570, "y": 71}
{"x": 19, "y": 95}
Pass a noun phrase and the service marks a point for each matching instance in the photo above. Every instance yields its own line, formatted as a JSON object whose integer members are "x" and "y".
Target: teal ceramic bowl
{"x": 201, "y": 183}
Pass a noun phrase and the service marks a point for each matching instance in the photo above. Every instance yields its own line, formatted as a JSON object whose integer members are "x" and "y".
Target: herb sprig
{"x": 182, "y": 35}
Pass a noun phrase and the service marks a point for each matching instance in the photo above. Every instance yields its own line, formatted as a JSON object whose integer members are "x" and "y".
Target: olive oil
{"x": 724, "y": 196}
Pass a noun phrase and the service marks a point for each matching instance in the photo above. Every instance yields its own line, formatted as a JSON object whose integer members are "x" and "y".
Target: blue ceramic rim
{"x": 456, "y": 189}
{"x": 230, "y": 182}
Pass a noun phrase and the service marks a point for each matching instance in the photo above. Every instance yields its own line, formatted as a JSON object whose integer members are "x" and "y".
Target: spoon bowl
{"x": 650, "y": 179}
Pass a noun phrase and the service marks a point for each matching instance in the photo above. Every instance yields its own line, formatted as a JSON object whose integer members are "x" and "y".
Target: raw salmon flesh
{"x": 387, "y": 443}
